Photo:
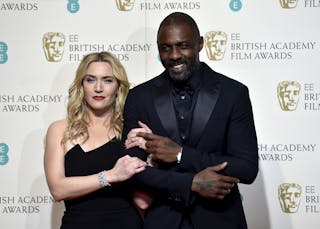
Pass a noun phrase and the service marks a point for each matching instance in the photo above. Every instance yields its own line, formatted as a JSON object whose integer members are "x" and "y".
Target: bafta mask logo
{"x": 53, "y": 46}
{"x": 125, "y": 5}
{"x": 215, "y": 42}
{"x": 288, "y": 95}
{"x": 289, "y": 195}
{"x": 288, "y": 4}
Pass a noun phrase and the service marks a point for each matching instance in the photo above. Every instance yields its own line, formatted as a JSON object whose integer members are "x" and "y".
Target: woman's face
{"x": 100, "y": 87}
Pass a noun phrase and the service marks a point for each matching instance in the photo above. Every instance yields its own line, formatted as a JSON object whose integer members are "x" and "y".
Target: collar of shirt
{"x": 190, "y": 85}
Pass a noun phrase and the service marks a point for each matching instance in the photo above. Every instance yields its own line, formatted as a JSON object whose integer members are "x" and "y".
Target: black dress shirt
{"x": 184, "y": 99}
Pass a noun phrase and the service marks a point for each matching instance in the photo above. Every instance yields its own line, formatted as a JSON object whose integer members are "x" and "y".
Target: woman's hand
{"x": 125, "y": 168}
{"x": 132, "y": 138}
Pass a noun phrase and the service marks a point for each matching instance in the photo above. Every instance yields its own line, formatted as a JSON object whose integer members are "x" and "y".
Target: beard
{"x": 181, "y": 70}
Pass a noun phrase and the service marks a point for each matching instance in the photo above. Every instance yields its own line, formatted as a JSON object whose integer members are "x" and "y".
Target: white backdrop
{"x": 267, "y": 42}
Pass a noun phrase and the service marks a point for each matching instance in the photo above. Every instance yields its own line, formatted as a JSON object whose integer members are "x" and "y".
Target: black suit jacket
{"x": 222, "y": 130}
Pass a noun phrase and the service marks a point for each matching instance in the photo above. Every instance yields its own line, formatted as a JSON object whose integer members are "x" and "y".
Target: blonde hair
{"x": 77, "y": 113}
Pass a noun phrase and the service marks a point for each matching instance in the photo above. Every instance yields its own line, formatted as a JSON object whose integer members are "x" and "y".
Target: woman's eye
{"x": 90, "y": 80}
{"x": 108, "y": 80}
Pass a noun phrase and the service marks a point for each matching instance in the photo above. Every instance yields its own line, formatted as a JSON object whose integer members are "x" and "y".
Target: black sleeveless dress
{"x": 110, "y": 207}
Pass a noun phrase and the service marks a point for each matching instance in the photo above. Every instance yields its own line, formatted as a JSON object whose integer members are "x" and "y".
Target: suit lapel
{"x": 164, "y": 106}
{"x": 206, "y": 101}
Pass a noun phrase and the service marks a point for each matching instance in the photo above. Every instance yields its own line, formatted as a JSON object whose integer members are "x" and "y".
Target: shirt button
{"x": 183, "y": 137}
{"x": 181, "y": 117}
{"x": 183, "y": 97}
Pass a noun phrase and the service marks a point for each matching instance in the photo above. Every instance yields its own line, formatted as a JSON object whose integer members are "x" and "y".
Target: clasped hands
{"x": 208, "y": 183}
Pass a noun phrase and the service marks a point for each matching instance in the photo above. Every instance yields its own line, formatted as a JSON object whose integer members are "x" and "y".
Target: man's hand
{"x": 161, "y": 148}
{"x": 210, "y": 184}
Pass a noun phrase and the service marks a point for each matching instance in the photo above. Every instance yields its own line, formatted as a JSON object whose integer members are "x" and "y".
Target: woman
{"x": 82, "y": 158}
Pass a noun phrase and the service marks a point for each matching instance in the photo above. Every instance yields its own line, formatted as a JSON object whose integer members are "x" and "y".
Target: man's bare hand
{"x": 161, "y": 148}
{"x": 209, "y": 183}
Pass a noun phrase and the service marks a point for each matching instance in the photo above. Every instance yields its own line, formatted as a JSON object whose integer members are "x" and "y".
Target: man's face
{"x": 179, "y": 50}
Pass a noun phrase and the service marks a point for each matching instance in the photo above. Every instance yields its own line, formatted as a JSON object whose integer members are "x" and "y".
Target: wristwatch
{"x": 179, "y": 155}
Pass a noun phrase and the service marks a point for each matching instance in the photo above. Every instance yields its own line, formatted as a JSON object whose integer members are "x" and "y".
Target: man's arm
{"x": 176, "y": 186}
{"x": 241, "y": 151}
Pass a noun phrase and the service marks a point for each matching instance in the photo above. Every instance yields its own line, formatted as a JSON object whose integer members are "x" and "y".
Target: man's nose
{"x": 175, "y": 53}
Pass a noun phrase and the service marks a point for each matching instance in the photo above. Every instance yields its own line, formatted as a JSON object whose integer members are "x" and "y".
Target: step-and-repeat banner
{"x": 271, "y": 46}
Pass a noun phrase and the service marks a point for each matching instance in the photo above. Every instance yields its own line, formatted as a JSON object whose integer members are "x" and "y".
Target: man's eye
{"x": 184, "y": 46}
{"x": 164, "y": 48}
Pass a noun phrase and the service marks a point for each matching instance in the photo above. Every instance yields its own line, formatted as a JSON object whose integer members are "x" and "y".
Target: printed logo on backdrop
{"x": 3, "y": 52}
{"x": 290, "y": 95}
{"x": 238, "y": 49}
{"x": 27, "y": 103}
{"x": 125, "y": 5}
{"x": 19, "y": 6}
{"x": 4, "y": 150}
{"x": 215, "y": 43}
{"x": 11, "y": 205}
{"x": 292, "y": 200}
{"x": 73, "y": 6}
{"x": 288, "y": 4}
{"x": 53, "y": 46}
{"x": 161, "y": 5}
{"x": 291, "y": 4}
{"x": 289, "y": 195}
{"x": 235, "y": 5}
{"x": 284, "y": 152}
{"x": 68, "y": 48}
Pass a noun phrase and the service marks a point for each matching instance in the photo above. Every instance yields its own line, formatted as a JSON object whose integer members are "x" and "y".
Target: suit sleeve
{"x": 239, "y": 149}
{"x": 174, "y": 186}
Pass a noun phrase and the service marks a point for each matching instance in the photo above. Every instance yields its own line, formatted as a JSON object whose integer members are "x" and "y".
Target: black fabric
{"x": 222, "y": 129}
{"x": 184, "y": 96}
{"x": 109, "y": 207}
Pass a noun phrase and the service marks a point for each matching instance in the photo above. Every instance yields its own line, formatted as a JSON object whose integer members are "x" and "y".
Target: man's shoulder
{"x": 225, "y": 80}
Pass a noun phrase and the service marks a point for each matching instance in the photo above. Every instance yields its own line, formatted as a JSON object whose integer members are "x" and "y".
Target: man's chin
{"x": 179, "y": 77}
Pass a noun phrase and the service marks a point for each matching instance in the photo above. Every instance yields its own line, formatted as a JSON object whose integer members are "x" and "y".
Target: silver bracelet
{"x": 102, "y": 179}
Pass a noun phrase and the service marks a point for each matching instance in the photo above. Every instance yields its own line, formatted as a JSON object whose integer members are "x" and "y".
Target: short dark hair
{"x": 178, "y": 18}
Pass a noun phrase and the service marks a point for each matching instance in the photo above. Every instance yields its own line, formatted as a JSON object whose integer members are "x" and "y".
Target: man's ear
{"x": 200, "y": 43}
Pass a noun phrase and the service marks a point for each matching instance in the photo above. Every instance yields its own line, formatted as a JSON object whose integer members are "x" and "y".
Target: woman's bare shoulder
{"x": 57, "y": 127}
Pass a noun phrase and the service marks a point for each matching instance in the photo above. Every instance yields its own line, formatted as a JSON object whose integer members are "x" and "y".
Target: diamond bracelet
{"x": 102, "y": 179}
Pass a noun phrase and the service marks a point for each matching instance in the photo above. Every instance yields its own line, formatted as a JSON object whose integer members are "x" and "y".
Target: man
{"x": 203, "y": 139}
